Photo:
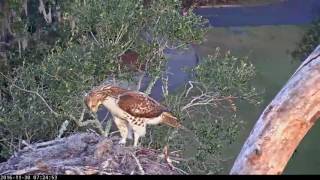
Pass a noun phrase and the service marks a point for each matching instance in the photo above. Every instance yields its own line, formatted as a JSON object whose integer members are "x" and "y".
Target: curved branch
{"x": 284, "y": 122}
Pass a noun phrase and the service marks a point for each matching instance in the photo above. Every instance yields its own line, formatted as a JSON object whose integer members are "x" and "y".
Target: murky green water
{"x": 269, "y": 48}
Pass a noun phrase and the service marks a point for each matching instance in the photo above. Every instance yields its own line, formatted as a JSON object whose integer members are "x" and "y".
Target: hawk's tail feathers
{"x": 170, "y": 120}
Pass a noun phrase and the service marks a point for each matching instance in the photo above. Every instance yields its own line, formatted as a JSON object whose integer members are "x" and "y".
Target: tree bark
{"x": 283, "y": 123}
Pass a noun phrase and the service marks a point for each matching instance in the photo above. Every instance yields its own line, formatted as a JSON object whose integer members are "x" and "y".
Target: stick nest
{"x": 85, "y": 154}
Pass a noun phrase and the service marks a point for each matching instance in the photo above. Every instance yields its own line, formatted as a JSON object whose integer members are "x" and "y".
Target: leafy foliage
{"x": 45, "y": 87}
{"x": 207, "y": 107}
{"x": 309, "y": 42}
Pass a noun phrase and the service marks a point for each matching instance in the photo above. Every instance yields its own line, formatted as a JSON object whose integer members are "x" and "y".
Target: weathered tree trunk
{"x": 283, "y": 123}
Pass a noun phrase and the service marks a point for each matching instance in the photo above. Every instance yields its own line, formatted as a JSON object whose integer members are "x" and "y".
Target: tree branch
{"x": 32, "y": 92}
{"x": 151, "y": 85}
{"x": 283, "y": 123}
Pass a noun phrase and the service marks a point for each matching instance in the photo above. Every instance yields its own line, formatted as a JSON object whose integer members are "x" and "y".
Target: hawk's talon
{"x": 122, "y": 142}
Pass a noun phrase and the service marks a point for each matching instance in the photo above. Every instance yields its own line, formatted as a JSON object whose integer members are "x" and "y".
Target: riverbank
{"x": 290, "y": 12}
{"x": 241, "y": 3}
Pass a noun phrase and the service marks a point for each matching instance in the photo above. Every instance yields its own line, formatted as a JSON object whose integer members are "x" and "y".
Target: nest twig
{"x": 84, "y": 154}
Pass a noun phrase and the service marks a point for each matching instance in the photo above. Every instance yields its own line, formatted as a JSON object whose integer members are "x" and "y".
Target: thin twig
{"x": 151, "y": 85}
{"x": 151, "y": 139}
{"x": 95, "y": 39}
{"x": 140, "y": 81}
{"x": 138, "y": 163}
{"x": 87, "y": 122}
{"x": 36, "y": 93}
{"x": 105, "y": 117}
{"x": 189, "y": 89}
{"x": 205, "y": 99}
{"x": 165, "y": 86}
{"x": 107, "y": 128}
{"x": 32, "y": 92}
{"x": 63, "y": 128}
{"x": 48, "y": 143}
{"x": 28, "y": 146}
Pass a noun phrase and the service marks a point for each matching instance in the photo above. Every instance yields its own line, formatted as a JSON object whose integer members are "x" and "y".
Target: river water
{"x": 268, "y": 48}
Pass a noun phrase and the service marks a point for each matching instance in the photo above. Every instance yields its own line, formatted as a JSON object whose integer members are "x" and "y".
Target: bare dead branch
{"x": 151, "y": 85}
{"x": 165, "y": 86}
{"x": 142, "y": 75}
{"x": 205, "y": 98}
{"x": 47, "y": 16}
{"x": 283, "y": 123}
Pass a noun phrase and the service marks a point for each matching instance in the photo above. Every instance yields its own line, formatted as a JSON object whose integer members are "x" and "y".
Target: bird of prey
{"x": 131, "y": 110}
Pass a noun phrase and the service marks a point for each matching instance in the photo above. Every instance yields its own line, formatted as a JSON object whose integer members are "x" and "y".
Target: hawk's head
{"x": 93, "y": 101}
{"x": 95, "y": 97}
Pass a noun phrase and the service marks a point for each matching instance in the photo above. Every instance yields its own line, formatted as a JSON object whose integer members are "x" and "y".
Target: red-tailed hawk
{"x": 131, "y": 110}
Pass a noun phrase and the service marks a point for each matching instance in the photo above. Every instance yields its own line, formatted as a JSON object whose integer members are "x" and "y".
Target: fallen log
{"x": 283, "y": 123}
{"x": 85, "y": 154}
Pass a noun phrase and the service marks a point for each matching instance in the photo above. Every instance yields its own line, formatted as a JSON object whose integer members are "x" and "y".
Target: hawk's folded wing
{"x": 140, "y": 105}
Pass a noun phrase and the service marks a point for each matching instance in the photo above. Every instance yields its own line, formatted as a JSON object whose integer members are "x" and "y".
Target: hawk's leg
{"x": 123, "y": 128}
{"x": 139, "y": 131}
{"x": 130, "y": 131}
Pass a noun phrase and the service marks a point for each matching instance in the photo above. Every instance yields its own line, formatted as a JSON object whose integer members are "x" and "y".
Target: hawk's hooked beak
{"x": 92, "y": 107}
{"x": 96, "y": 108}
